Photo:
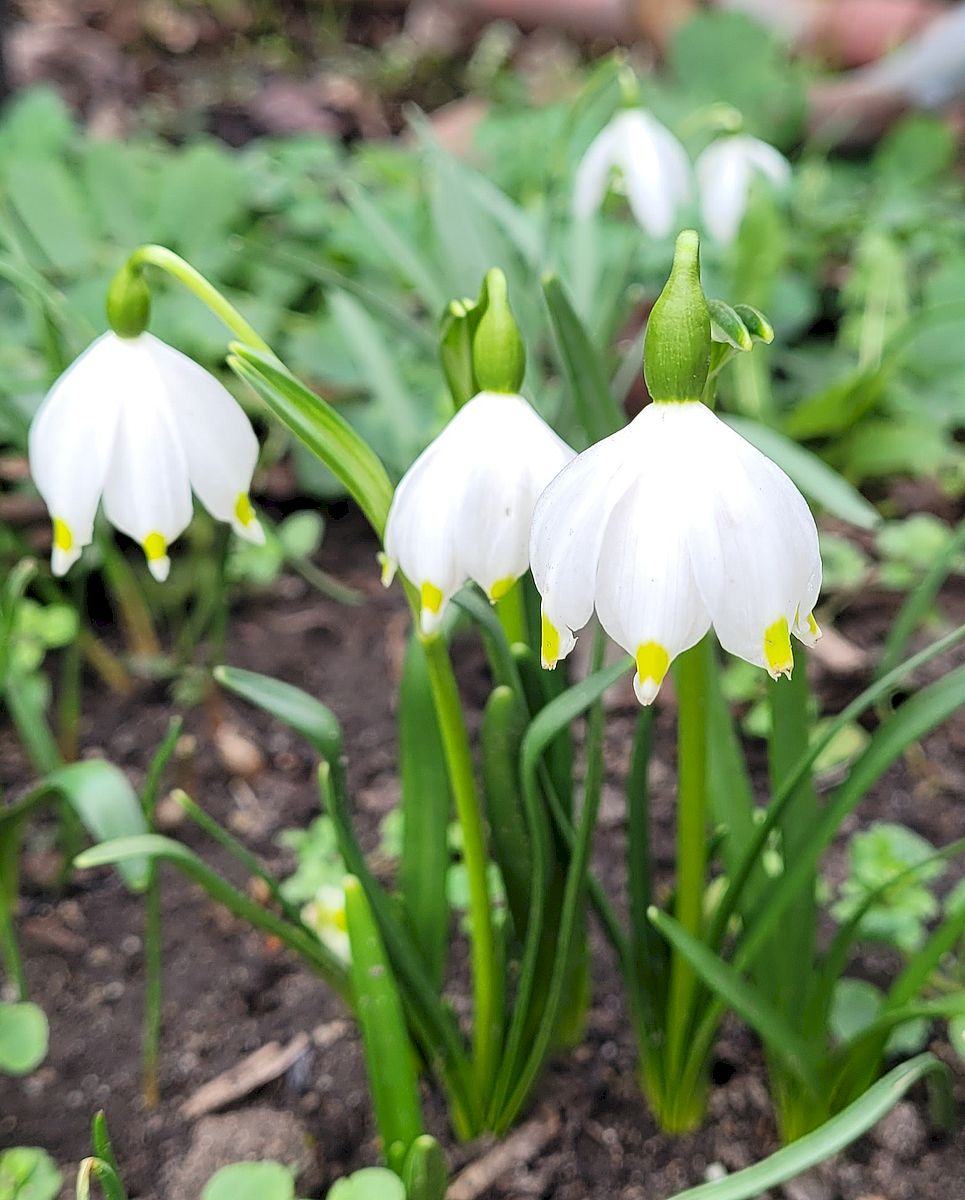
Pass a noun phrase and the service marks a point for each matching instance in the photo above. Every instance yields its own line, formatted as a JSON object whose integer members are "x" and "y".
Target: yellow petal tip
{"x": 549, "y": 643}
{"x": 501, "y": 588}
{"x": 653, "y": 662}
{"x": 777, "y": 649}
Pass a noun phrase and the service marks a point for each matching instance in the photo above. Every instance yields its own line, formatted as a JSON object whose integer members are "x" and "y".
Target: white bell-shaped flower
{"x": 672, "y": 525}
{"x": 725, "y": 172}
{"x": 464, "y": 508}
{"x": 655, "y": 168}
{"x": 140, "y": 424}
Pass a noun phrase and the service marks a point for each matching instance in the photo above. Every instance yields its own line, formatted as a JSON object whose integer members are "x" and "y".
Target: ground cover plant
{"x": 487, "y": 332}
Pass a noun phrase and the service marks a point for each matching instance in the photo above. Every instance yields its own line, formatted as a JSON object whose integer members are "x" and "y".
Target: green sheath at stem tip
{"x": 498, "y": 353}
{"x": 676, "y": 354}
{"x": 128, "y": 302}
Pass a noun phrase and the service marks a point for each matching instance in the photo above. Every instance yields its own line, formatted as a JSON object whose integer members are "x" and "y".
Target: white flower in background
{"x": 325, "y": 916}
{"x": 654, "y": 165}
{"x": 672, "y": 525}
{"x": 725, "y": 172}
{"x": 140, "y": 424}
{"x": 463, "y": 510}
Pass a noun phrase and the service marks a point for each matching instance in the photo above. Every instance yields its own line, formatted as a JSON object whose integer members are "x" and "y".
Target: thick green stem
{"x": 207, "y": 293}
{"x": 511, "y": 610}
{"x": 691, "y": 842}
{"x": 455, "y": 740}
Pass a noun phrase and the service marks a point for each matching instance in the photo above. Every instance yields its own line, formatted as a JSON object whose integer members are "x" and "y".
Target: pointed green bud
{"x": 676, "y": 353}
{"x": 455, "y": 349}
{"x": 128, "y": 303}
{"x": 498, "y": 354}
{"x": 425, "y": 1173}
{"x": 757, "y": 325}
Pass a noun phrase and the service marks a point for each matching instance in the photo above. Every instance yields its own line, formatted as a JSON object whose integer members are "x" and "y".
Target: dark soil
{"x": 229, "y": 991}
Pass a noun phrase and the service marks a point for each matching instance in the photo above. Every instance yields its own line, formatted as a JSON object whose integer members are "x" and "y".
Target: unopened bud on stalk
{"x": 455, "y": 349}
{"x": 498, "y": 354}
{"x": 676, "y": 355}
{"x": 128, "y": 303}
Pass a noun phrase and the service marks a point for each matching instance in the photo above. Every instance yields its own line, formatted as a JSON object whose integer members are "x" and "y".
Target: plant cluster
{"x": 495, "y": 325}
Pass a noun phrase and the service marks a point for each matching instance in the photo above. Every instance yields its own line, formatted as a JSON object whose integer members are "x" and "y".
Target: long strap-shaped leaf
{"x": 518, "y": 1073}
{"x": 922, "y": 713}
{"x": 323, "y": 430}
{"x": 870, "y": 696}
{"x": 831, "y": 1137}
{"x": 152, "y": 846}
{"x": 749, "y": 1002}
{"x": 432, "y": 1022}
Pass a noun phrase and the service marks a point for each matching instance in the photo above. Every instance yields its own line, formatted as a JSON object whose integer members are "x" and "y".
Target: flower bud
{"x": 128, "y": 303}
{"x": 676, "y": 354}
{"x": 498, "y": 354}
{"x": 455, "y": 349}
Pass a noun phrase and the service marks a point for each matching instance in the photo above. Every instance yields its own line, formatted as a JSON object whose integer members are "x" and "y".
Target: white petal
{"x": 724, "y": 181}
{"x": 646, "y": 595}
{"x": 217, "y": 438}
{"x": 724, "y": 172}
{"x": 593, "y": 173}
{"x": 767, "y": 161}
{"x": 420, "y": 529}
{"x": 656, "y": 171}
{"x": 147, "y": 494}
{"x": 568, "y": 527}
{"x": 512, "y": 454}
{"x": 71, "y": 441}
{"x": 756, "y": 560}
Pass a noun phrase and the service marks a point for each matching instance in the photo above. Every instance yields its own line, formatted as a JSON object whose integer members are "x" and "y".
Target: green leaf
{"x": 389, "y": 1056}
{"x": 751, "y": 1005}
{"x": 324, "y": 431}
{"x": 597, "y": 411}
{"x": 425, "y": 813}
{"x": 251, "y": 1181}
{"x": 391, "y": 420}
{"x": 152, "y": 846}
{"x": 914, "y": 152}
{"x": 50, "y": 204}
{"x": 371, "y": 1183}
{"x": 23, "y": 1038}
{"x": 108, "y": 806}
{"x": 290, "y": 705}
{"x": 396, "y": 247}
{"x": 426, "y": 1173}
{"x": 815, "y": 478}
{"x": 919, "y": 601}
{"x": 200, "y": 200}
{"x": 28, "y": 1173}
{"x": 824, "y": 1142}
{"x": 729, "y": 58}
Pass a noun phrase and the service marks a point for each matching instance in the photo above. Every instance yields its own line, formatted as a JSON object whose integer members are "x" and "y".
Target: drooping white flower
{"x": 139, "y": 424}
{"x": 463, "y": 509}
{"x": 725, "y": 171}
{"x": 672, "y": 525}
{"x": 654, "y": 165}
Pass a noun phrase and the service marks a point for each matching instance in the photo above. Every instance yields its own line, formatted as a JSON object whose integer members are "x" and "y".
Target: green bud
{"x": 676, "y": 353}
{"x": 128, "y": 303}
{"x": 498, "y": 354}
{"x": 455, "y": 349}
{"x": 425, "y": 1173}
